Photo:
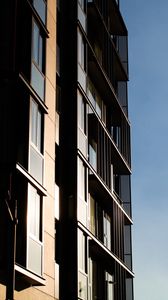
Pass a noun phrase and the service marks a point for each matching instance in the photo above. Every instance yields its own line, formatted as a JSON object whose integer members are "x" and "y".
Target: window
{"x": 36, "y": 123}
{"x": 40, "y": 6}
{"x": 116, "y": 184}
{"x": 125, "y": 187}
{"x": 116, "y": 135}
{"x": 35, "y": 215}
{"x": 127, "y": 246}
{"x": 98, "y": 106}
{"x": 98, "y": 52}
{"x": 81, "y": 113}
{"x": 81, "y": 251}
{"x": 37, "y": 54}
{"x": 93, "y": 154}
{"x": 82, "y": 138}
{"x": 82, "y": 286}
{"x": 96, "y": 280}
{"x": 34, "y": 236}
{"x": 82, "y": 4}
{"x": 93, "y": 280}
{"x": 100, "y": 282}
{"x": 37, "y": 70}
{"x": 111, "y": 177}
{"x": 82, "y": 194}
{"x": 92, "y": 215}
{"x": 107, "y": 230}
{"x": 96, "y": 101}
{"x": 129, "y": 289}
{"x": 103, "y": 113}
{"x": 82, "y": 13}
{"x": 91, "y": 93}
{"x": 36, "y": 157}
{"x": 82, "y": 266}
{"x": 109, "y": 280}
{"x": 81, "y": 179}
{"x": 81, "y": 50}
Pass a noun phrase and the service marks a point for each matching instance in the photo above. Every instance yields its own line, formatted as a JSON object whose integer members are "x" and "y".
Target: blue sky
{"x": 147, "y": 23}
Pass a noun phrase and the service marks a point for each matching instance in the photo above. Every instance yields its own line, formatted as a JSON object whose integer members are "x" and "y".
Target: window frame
{"x": 81, "y": 50}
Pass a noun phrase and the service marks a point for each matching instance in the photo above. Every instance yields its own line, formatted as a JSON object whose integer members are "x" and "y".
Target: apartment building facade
{"x": 65, "y": 193}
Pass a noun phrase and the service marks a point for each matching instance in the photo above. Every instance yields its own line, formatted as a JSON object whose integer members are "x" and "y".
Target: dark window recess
{"x": 58, "y": 59}
{"x": 23, "y": 44}
{"x": 100, "y": 222}
{"x": 101, "y": 280}
{"x": 99, "y": 149}
{"x": 6, "y": 186}
{"x": 57, "y": 241}
{"x": 125, "y": 186}
{"x": 118, "y": 232}
{"x": 21, "y": 192}
{"x": 22, "y": 126}
{"x": 57, "y": 165}
{"x": 58, "y": 99}
{"x": 116, "y": 184}
{"x": 58, "y": 4}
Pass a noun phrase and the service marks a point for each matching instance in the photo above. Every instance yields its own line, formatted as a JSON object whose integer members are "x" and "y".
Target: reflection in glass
{"x": 34, "y": 241}
{"x": 37, "y": 81}
{"x": 36, "y": 164}
{"x": 93, "y": 154}
{"x": 40, "y": 6}
{"x": 34, "y": 209}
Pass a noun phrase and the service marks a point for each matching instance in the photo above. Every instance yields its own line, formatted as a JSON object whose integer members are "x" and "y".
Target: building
{"x": 65, "y": 194}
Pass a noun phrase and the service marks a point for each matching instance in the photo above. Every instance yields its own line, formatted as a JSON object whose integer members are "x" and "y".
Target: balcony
{"x": 109, "y": 43}
{"x": 111, "y": 119}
